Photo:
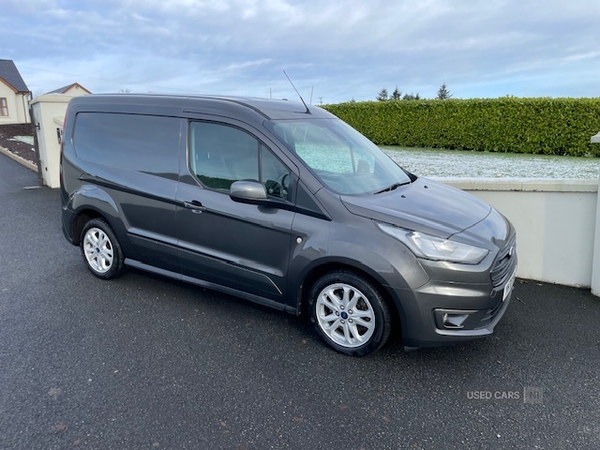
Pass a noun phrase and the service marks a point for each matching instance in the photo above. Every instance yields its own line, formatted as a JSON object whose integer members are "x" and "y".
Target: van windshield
{"x": 343, "y": 159}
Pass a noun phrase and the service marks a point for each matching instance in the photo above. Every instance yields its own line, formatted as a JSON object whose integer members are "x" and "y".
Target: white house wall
{"x": 18, "y": 106}
{"x": 22, "y": 105}
{"x": 76, "y": 91}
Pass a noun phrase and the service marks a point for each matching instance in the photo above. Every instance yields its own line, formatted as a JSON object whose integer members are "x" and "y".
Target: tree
{"x": 396, "y": 95}
{"x": 411, "y": 96}
{"x": 383, "y": 95}
{"x": 443, "y": 93}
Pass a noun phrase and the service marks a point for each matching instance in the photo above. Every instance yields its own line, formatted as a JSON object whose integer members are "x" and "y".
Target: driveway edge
{"x": 22, "y": 161}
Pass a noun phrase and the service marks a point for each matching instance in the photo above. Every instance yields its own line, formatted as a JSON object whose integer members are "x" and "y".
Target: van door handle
{"x": 196, "y": 206}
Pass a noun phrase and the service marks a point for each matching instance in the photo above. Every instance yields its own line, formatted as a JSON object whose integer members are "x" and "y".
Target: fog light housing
{"x": 452, "y": 319}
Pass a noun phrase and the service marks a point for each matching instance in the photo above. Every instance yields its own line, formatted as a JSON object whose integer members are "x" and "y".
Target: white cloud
{"x": 342, "y": 49}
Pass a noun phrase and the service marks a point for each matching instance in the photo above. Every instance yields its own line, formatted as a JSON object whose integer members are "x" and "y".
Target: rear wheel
{"x": 349, "y": 313}
{"x": 101, "y": 250}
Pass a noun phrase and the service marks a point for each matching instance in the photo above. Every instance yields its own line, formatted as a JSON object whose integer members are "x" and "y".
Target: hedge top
{"x": 555, "y": 126}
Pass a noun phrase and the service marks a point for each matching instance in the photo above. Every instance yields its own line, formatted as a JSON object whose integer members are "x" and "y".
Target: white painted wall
{"x": 49, "y": 111}
{"x": 76, "y": 90}
{"x": 18, "y": 105}
{"x": 596, "y": 260}
{"x": 556, "y": 222}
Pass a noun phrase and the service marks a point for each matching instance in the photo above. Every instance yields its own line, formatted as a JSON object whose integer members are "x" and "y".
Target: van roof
{"x": 268, "y": 108}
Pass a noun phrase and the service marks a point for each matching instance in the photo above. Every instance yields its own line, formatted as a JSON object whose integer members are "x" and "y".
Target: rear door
{"x": 242, "y": 246}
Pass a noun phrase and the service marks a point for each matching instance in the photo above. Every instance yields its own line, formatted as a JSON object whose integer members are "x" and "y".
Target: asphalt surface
{"x": 147, "y": 363}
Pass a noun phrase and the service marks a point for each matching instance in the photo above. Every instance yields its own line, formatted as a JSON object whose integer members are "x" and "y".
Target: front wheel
{"x": 101, "y": 250}
{"x": 349, "y": 313}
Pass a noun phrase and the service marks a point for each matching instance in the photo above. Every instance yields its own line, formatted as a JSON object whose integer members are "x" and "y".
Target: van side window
{"x": 134, "y": 142}
{"x": 221, "y": 154}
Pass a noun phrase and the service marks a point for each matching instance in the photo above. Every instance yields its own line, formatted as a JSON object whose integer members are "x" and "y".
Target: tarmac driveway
{"x": 147, "y": 363}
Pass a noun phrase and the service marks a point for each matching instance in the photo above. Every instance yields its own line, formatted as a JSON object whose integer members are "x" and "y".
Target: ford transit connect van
{"x": 285, "y": 205}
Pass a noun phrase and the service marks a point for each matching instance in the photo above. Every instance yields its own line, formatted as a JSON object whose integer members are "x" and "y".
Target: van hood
{"x": 424, "y": 205}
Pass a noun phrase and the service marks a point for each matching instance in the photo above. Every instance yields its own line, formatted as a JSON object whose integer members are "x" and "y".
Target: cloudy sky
{"x": 334, "y": 50}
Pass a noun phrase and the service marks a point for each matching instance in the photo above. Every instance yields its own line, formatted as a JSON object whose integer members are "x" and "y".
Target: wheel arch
{"x": 91, "y": 202}
{"x": 317, "y": 271}
{"x": 83, "y": 217}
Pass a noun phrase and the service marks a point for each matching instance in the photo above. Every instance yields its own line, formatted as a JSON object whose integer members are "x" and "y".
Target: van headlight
{"x": 434, "y": 248}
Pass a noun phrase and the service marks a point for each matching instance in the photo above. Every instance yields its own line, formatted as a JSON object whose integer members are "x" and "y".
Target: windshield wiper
{"x": 390, "y": 188}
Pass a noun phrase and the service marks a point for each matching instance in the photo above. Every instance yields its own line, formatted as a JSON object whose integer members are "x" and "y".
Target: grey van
{"x": 285, "y": 205}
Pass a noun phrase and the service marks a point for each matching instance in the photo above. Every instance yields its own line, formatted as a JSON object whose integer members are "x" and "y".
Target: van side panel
{"x": 129, "y": 162}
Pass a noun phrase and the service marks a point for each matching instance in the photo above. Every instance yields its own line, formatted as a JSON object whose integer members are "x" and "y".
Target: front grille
{"x": 505, "y": 264}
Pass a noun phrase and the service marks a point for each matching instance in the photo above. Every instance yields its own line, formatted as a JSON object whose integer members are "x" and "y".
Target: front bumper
{"x": 443, "y": 312}
{"x": 423, "y": 312}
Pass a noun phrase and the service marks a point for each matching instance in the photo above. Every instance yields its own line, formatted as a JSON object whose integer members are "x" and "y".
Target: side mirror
{"x": 248, "y": 191}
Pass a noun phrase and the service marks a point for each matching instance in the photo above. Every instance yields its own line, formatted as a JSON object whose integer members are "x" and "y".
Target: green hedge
{"x": 561, "y": 126}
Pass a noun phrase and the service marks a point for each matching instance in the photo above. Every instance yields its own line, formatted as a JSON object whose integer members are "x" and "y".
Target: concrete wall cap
{"x": 522, "y": 184}
{"x": 52, "y": 98}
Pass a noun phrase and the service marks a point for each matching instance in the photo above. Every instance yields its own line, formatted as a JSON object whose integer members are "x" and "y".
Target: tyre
{"x": 349, "y": 313}
{"x": 101, "y": 250}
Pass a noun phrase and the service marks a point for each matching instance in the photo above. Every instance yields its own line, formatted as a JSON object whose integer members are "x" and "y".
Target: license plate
{"x": 509, "y": 286}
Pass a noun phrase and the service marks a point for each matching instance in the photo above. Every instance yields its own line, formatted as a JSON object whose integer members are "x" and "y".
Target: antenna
{"x": 307, "y": 110}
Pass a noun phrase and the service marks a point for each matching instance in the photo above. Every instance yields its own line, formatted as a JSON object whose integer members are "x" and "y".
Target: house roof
{"x": 64, "y": 89}
{"x": 10, "y": 74}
